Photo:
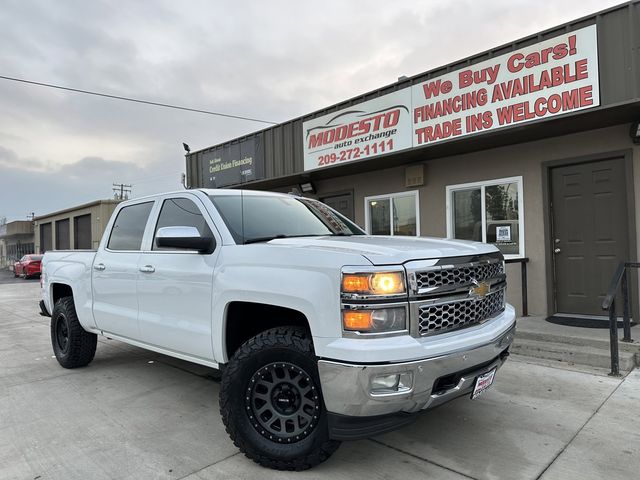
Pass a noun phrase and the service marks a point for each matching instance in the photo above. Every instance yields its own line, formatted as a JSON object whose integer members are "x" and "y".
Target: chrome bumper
{"x": 347, "y": 387}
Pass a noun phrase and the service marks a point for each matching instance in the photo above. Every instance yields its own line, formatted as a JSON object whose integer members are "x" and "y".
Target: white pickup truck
{"x": 322, "y": 333}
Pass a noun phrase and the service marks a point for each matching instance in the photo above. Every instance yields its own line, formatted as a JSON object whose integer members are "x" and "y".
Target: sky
{"x": 273, "y": 60}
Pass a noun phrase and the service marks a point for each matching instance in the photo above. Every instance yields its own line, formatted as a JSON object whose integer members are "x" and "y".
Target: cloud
{"x": 44, "y": 189}
{"x": 274, "y": 60}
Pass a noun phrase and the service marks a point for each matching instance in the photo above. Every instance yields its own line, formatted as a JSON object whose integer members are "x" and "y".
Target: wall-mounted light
{"x": 635, "y": 132}
{"x": 307, "y": 187}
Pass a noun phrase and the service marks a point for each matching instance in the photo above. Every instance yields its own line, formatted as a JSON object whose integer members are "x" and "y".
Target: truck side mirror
{"x": 184, "y": 238}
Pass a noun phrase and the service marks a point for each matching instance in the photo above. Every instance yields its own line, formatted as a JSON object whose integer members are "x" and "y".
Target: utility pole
{"x": 121, "y": 191}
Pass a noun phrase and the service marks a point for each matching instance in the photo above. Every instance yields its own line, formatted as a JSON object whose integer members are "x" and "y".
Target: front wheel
{"x": 271, "y": 401}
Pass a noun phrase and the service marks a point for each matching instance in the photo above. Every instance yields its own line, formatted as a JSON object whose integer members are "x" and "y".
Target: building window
{"x": 489, "y": 212}
{"x": 393, "y": 214}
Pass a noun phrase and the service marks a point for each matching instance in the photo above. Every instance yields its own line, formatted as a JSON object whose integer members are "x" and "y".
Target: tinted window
{"x": 129, "y": 226}
{"x": 252, "y": 217}
{"x": 181, "y": 212}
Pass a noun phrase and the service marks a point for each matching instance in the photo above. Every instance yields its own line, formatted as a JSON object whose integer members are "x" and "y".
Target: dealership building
{"x": 533, "y": 146}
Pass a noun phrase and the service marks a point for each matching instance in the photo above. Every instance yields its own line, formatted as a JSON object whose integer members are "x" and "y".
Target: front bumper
{"x": 347, "y": 387}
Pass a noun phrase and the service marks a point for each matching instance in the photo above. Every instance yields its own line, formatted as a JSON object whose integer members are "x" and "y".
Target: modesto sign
{"x": 549, "y": 78}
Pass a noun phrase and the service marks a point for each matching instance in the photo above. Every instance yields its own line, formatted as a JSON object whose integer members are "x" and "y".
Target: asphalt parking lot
{"x": 134, "y": 414}
{"x": 8, "y": 278}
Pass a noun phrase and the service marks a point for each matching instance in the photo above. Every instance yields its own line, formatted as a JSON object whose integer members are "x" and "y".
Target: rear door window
{"x": 181, "y": 212}
{"x": 128, "y": 229}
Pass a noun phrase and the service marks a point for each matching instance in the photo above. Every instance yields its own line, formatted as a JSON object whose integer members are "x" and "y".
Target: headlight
{"x": 378, "y": 320}
{"x": 382, "y": 283}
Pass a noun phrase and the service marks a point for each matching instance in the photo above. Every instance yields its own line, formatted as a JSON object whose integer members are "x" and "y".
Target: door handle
{"x": 99, "y": 266}
{"x": 147, "y": 269}
{"x": 557, "y": 250}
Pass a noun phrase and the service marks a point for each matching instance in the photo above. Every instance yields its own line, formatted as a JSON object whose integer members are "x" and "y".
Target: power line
{"x": 135, "y": 100}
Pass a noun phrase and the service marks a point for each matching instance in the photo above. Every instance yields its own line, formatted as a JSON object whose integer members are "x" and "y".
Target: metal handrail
{"x": 523, "y": 281}
{"x": 609, "y": 303}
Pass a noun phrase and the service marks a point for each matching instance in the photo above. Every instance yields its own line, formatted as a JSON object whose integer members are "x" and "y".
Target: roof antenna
{"x": 242, "y": 213}
{"x": 242, "y": 206}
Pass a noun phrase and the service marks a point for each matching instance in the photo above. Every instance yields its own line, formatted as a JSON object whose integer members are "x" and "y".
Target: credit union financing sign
{"x": 549, "y": 78}
{"x": 233, "y": 164}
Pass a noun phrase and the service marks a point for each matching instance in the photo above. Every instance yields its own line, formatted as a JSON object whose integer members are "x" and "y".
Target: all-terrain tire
{"x": 73, "y": 345}
{"x": 283, "y": 354}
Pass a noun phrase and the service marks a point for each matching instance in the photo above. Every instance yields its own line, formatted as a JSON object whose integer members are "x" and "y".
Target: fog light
{"x": 392, "y": 383}
{"x": 380, "y": 320}
{"x": 388, "y": 319}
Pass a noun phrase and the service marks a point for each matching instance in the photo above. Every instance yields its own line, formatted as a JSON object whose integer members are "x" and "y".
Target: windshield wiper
{"x": 274, "y": 237}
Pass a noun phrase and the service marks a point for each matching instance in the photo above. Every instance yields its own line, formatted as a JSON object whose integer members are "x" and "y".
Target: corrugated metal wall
{"x": 619, "y": 62}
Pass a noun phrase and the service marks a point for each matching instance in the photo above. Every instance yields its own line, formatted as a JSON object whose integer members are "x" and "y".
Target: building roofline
{"x": 17, "y": 221}
{"x": 420, "y": 77}
{"x": 108, "y": 201}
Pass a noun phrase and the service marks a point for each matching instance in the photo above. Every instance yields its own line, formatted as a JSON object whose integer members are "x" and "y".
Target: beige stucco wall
{"x": 517, "y": 160}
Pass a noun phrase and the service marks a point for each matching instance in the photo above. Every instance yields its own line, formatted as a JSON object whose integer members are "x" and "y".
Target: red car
{"x": 29, "y": 266}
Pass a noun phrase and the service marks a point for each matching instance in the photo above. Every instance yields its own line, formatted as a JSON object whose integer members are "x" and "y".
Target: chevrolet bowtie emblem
{"x": 479, "y": 289}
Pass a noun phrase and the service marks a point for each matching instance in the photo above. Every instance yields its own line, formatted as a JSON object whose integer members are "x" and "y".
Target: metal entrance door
{"x": 589, "y": 232}
{"x": 342, "y": 203}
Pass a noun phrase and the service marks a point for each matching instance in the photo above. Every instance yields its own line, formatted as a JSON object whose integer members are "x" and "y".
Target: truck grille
{"x": 458, "y": 313}
{"x": 458, "y": 275}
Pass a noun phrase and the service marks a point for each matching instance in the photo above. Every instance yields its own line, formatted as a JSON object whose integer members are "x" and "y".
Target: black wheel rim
{"x": 62, "y": 333}
{"x": 282, "y": 402}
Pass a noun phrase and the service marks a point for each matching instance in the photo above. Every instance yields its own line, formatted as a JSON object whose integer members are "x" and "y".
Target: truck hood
{"x": 386, "y": 250}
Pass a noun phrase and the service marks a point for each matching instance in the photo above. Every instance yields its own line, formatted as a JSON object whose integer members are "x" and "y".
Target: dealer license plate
{"x": 483, "y": 382}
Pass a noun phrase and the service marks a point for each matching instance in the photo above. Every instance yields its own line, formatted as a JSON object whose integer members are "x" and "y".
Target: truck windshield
{"x": 260, "y": 218}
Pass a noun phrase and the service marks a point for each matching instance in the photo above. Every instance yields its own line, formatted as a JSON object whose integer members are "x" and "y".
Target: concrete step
{"x": 578, "y": 340}
{"x": 571, "y": 354}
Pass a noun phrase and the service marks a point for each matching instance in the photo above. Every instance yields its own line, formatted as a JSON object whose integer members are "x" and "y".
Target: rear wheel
{"x": 73, "y": 345}
{"x": 271, "y": 402}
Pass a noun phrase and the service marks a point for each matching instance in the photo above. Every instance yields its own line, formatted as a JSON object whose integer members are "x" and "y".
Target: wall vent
{"x": 414, "y": 176}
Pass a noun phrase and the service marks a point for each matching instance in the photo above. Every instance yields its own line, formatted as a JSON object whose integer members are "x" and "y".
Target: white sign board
{"x": 503, "y": 233}
{"x": 553, "y": 77}
{"x": 371, "y": 128}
